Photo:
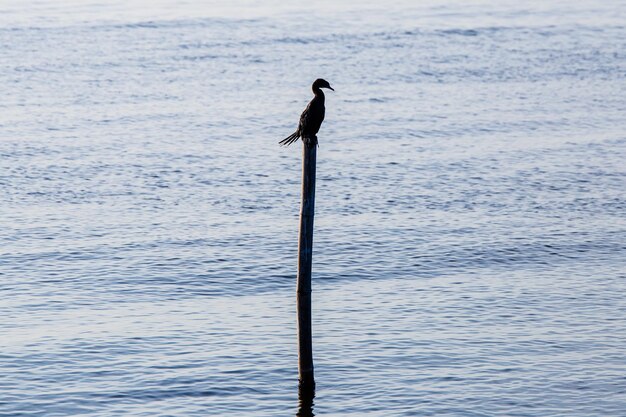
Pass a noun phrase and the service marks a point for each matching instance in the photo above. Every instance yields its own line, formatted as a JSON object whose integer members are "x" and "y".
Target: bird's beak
{"x": 331, "y": 87}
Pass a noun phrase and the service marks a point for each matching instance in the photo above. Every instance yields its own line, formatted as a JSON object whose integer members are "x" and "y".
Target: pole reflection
{"x": 305, "y": 402}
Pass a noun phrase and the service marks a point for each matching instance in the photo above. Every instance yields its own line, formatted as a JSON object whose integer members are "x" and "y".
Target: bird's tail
{"x": 289, "y": 139}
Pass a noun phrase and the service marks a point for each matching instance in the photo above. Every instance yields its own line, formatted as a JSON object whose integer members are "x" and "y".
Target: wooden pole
{"x": 305, "y": 257}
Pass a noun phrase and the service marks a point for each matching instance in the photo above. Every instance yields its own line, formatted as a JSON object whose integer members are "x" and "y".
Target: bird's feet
{"x": 310, "y": 141}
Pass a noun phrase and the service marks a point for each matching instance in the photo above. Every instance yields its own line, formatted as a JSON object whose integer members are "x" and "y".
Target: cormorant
{"x": 311, "y": 118}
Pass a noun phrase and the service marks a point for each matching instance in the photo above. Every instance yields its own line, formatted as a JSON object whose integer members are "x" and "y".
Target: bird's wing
{"x": 304, "y": 121}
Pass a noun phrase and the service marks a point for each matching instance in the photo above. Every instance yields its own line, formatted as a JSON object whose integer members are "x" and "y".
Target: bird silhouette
{"x": 311, "y": 118}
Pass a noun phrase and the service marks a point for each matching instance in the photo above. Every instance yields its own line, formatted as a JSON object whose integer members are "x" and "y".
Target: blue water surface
{"x": 470, "y": 240}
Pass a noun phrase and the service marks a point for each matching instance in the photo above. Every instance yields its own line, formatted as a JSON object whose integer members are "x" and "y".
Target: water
{"x": 470, "y": 235}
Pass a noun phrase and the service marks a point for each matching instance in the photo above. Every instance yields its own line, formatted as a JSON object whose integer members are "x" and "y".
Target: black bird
{"x": 311, "y": 118}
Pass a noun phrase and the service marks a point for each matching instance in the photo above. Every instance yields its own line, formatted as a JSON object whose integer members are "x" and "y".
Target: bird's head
{"x": 321, "y": 83}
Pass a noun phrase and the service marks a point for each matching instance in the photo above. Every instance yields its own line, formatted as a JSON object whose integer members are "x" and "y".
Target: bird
{"x": 311, "y": 118}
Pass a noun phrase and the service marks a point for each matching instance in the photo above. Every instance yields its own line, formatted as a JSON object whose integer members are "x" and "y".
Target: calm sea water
{"x": 470, "y": 247}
